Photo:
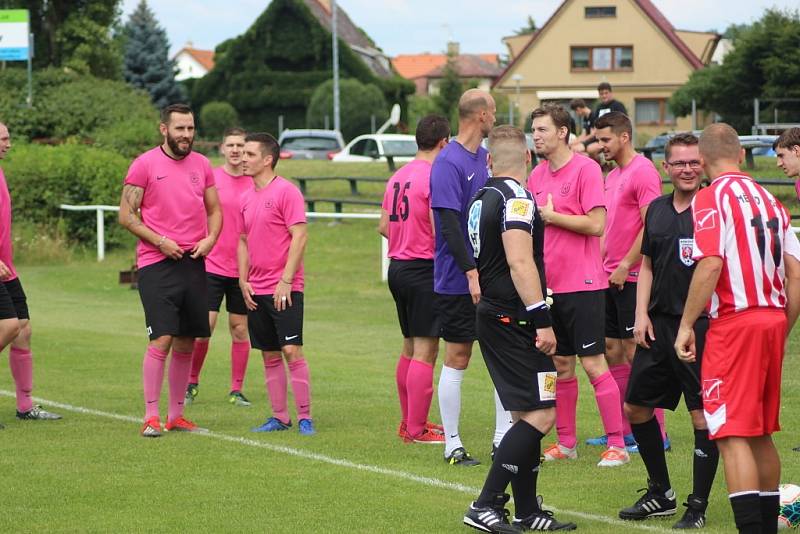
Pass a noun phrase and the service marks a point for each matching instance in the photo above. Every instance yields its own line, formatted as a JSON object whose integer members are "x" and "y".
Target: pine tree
{"x": 146, "y": 64}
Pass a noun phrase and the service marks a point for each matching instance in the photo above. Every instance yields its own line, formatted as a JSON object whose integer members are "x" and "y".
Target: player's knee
{"x": 162, "y": 343}
{"x": 10, "y": 329}
{"x": 698, "y": 420}
{"x": 292, "y": 352}
{"x": 239, "y": 332}
{"x": 637, "y": 414}
{"x": 595, "y": 366}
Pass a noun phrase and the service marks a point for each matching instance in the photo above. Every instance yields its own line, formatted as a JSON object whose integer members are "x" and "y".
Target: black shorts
{"x": 175, "y": 298}
{"x": 457, "y": 316}
{"x": 658, "y": 377}
{"x": 228, "y": 287}
{"x": 524, "y": 377}
{"x": 13, "y": 303}
{"x": 579, "y": 323}
{"x": 620, "y": 311}
{"x": 411, "y": 284}
{"x": 271, "y": 329}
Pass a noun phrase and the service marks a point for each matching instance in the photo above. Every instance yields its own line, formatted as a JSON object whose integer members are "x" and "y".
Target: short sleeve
{"x": 708, "y": 225}
{"x": 387, "y": 197}
{"x": 533, "y": 177}
{"x": 647, "y": 249}
{"x": 791, "y": 245}
{"x": 518, "y": 214}
{"x": 446, "y": 185}
{"x": 648, "y": 186}
{"x": 591, "y": 187}
{"x": 138, "y": 174}
{"x": 294, "y": 209}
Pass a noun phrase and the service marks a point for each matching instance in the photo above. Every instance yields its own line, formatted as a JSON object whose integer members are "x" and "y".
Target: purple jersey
{"x": 456, "y": 177}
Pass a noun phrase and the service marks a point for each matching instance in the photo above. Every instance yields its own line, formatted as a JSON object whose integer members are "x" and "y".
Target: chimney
{"x": 452, "y": 48}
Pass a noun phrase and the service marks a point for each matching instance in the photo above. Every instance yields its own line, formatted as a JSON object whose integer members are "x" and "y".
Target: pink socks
{"x": 152, "y": 378}
{"x": 240, "y": 353}
{"x": 21, "y": 364}
{"x": 401, "y": 373}
{"x": 606, "y": 393}
{"x": 621, "y": 374}
{"x": 566, "y": 408}
{"x": 198, "y": 357}
{"x": 298, "y": 372}
{"x": 277, "y": 387}
{"x": 179, "y": 369}
{"x": 419, "y": 385}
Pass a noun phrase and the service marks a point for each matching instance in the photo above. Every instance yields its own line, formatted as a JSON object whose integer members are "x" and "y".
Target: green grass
{"x": 95, "y": 474}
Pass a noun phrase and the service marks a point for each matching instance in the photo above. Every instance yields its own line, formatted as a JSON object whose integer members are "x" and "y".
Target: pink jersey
{"x": 408, "y": 202}
{"x": 222, "y": 258}
{"x": 628, "y": 190}
{"x": 6, "y": 248}
{"x": 173, "y": 202}
{"x": 573, "y": 260}
{"x": 265, "y": 217}
{"x": 741, "y": 222}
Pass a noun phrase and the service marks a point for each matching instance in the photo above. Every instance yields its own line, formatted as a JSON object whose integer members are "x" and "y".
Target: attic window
{"x": 601, "y": 12}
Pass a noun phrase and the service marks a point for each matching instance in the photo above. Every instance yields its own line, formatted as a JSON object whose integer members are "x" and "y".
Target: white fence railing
{"x": 101, "y": 240}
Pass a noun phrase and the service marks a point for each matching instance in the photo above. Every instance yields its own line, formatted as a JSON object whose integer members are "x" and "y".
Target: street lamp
{"x": 517, "y": 79}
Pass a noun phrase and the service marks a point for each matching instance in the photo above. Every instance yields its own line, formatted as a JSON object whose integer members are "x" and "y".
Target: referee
{"x": 514, "y": 333}
{"x": 658, "y": 378}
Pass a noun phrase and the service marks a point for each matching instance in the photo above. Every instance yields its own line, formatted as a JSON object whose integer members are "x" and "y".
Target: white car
{"x": 375, "y": 147}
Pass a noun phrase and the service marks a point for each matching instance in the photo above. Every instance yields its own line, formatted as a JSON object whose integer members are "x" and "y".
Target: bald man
{"x": 748, "y": 274}
{"x": 458, "y": 172}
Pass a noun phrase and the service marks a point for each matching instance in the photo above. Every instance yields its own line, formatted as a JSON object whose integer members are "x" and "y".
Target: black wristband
{"x": 539, "y": 316}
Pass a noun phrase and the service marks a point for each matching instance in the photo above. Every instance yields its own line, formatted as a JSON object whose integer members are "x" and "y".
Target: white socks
{"x": 502, "y": 420}
{"x": 450, "y": 406}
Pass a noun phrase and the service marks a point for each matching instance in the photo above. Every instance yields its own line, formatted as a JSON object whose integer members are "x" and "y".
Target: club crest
{"x": 685, "y": 246}
{"x": 565, "y": 189}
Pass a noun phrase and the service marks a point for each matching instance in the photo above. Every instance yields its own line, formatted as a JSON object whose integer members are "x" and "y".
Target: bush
{"x": 40, "y": 178}
{"x": 358, "y": 101}
{"x": 129, "y": 138}
{"x": 215, "y": 117}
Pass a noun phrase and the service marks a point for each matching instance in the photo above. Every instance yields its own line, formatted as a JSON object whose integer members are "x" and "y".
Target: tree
{"x": 528, "y": 29}
{"x": 146, "y": 63}
{"x": 76, "y": 34}
{"x": 215, "y": 117}
{"x": 450, "y": 89}
{"x": 359, "y": 102}
{"x": 765, "y": 64}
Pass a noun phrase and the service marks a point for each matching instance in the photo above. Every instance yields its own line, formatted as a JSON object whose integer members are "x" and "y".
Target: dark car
{"x": 310, "y": 144}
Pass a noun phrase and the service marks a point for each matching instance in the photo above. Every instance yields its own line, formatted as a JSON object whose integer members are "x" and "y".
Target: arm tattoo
{"x": 133, "y": 197}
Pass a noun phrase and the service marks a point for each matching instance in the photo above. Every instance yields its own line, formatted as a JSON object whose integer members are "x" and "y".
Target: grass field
{"x": 91, "y": 472}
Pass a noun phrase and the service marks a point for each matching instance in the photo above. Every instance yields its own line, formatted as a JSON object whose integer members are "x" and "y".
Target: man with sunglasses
{"x": 658, "y": 378}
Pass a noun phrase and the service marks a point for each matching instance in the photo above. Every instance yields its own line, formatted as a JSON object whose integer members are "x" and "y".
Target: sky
{"x": 416, "y": 26}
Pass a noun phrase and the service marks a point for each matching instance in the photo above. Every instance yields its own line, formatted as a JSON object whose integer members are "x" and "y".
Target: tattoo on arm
{"x": 133, "y": 197}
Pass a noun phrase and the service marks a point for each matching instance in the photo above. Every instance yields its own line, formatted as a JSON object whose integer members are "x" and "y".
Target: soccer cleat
{"x": 461, "y": 457}
{"x": 654, "y": 503}
{"x": 667, "y": 444}
{"x": 556, "y": 451}
{"x": 493, "y": 518}
{"x": 272, "y": 424}
{"x": 433, "y": 427}
{"x": 237, "y": 399}
{"x": 191, "y": 393}
{"x": 614, "y": 457}
{"x": 306, "y": 427}
{"x": 426, "y": 436}
{"x": 541, "y": 520}
{"x": 36, "y": 413}
{"x": 401, "y": 430}
{"x": 181, "y": 424}
{"x": 602, "y": 441}
{"x": 151, "y": 428}
{"x": 695, "y": 514}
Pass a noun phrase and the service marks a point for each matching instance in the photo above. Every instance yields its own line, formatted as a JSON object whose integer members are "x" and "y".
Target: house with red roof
{"x": 627, "y": 43}
{"x": 192, "y": 62}
{"x": 427, "y": 70}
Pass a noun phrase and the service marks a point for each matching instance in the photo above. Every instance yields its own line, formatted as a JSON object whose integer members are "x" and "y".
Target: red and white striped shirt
{"x": 741, "y": 222}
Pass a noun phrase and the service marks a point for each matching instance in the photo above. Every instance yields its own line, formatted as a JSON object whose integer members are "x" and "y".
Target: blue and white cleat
{"x": 272, "y": 424}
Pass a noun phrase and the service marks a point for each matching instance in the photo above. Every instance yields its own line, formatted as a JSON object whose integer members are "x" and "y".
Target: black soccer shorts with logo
{"x": 411, "y": 284}
{"x": 524, "y": 377}
{"x": 13, "y": 302}
{"x": 579, "y": 322}
{"x": 621, "y": 311}
{"x": 227, "y": 287}
{"x": 270, "y": 329}
{"x": 174, "y": 296}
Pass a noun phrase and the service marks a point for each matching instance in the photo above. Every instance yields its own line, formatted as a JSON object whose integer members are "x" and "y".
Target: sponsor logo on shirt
{"x": 685, "y": 246}
{"x": 705, "y": 219}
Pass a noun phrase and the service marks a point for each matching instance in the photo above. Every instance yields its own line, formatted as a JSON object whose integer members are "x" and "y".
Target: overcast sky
{"x": 416, "y": 26}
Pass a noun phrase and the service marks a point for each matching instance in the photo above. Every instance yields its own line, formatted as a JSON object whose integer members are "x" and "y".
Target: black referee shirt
{"x": 502, "y": 204}
{"x": 668, "y": 239}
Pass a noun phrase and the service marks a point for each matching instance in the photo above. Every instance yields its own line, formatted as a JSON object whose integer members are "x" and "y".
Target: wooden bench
{"x": 338, "y": 203}
{"x": 303, "y": 181}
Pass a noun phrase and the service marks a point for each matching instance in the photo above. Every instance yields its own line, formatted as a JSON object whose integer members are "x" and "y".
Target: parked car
{"x": 760, "y": 140}
{"x": 310, "y": 144}
{"x": 374, "y": 147}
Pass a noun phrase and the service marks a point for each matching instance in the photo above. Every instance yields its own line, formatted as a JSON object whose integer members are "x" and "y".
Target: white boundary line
{"x": 300, "y": 453}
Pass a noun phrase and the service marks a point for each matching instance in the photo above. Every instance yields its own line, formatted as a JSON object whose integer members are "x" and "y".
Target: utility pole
{"x": 336, "y": 120}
